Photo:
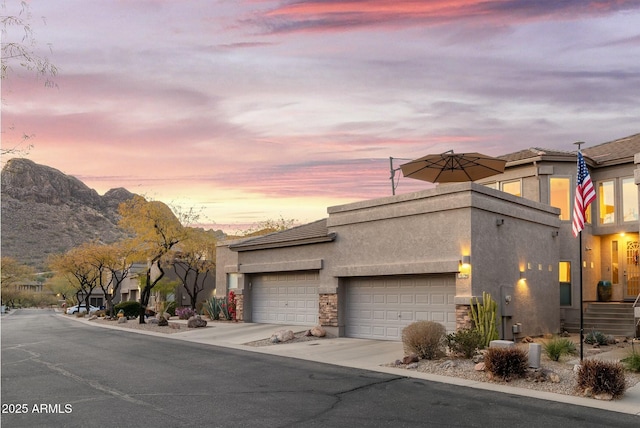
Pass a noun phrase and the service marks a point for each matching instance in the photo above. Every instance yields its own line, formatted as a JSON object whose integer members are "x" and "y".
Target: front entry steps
{"x": 614, "y": 318}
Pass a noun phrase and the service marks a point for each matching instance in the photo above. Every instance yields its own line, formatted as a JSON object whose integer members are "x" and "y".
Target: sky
{"x": 250, "y": 110}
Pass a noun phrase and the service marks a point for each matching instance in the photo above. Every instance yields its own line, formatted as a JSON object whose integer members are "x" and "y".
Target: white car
{"x": 76, "y": 308}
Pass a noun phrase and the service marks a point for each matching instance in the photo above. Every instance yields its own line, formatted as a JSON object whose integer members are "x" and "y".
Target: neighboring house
{"x": 372, "y": 267}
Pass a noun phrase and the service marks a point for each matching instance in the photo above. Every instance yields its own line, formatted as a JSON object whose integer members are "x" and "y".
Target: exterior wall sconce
{"x": 466, "y": 260}
{"x": 523, "y": 276}
{"x": 554, "y": 233}
{"x": 499, "y": 222}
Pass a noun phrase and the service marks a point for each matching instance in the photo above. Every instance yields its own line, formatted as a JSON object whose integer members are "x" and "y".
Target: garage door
{"x": 380, "y": 307}
{"x": 285, "y": 298}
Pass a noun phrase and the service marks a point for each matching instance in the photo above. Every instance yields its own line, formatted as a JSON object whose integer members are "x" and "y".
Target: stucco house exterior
{"x": 372, "y": 267}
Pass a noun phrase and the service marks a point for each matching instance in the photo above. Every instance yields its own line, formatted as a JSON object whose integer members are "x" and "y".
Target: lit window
{"x": 560, "y": 196}
{"x": 606, "y": 202}
{"x": 564, "y": 277}
{"x": 512, "y": 187}
{"x": 629, "y": 200}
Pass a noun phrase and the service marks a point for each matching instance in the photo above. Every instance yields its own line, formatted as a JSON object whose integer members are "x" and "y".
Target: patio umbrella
{"x": 452, "y": 167}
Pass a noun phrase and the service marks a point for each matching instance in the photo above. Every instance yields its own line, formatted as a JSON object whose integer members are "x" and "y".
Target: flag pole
{"x": 581, "y": 305}
{"x": 579, "y": 143}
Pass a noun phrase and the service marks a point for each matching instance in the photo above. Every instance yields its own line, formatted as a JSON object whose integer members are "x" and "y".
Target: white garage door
{"x": 285, "y": 298}
{"x": 380, "y": 307}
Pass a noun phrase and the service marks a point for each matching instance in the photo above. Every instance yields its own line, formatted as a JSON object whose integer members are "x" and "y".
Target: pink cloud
{"x": 321, "y": 15}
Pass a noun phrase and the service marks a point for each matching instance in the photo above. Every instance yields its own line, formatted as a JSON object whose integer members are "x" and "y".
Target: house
{"x": 372, "y": 267}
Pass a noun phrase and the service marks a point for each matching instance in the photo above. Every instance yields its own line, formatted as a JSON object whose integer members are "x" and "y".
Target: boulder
{"x": 162, "y": 322}
{"x": 196, "y": 322}
{"x": 480, "y": 367}
{"x": 282, "y": 336}
{"x": 152, "y": 321}
{"x": 122, "y": 320}
{"x": 318, "y": 331}
{"x": 412, "y": 358}
{"x": 412, "y": 366}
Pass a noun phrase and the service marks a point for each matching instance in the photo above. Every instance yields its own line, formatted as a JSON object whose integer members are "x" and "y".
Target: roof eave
{"x": 293, "y": 243}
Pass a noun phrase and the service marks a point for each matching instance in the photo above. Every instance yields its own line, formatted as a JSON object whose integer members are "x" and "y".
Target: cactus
{"x": 485, "y": 317}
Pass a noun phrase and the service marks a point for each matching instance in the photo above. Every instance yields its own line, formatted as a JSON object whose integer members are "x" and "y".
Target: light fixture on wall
{"x": 466, "y": 260}
{"x": 499, "y": 222}
{"x": 523, "y": 276}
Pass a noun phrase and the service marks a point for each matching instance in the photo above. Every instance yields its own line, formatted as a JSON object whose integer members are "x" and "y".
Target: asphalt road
{"x": 59, "y": 373}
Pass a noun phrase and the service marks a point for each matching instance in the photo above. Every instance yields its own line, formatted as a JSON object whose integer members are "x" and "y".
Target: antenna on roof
{"x": 579, "y": 143}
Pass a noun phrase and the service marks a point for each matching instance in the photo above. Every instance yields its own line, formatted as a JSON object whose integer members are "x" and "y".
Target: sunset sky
{"x": 253, "y": 109}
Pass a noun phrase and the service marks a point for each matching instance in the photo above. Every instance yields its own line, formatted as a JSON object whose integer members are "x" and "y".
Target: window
{"x": 560, "y": 195}
{"x": 512, "y": 187}
{"x": 232, "y": 281}
{"x": 606, "y": 202}
{"x": 564, "y": 276}
{"x": 629, "y": 200}
{"x": 493, "y": 185}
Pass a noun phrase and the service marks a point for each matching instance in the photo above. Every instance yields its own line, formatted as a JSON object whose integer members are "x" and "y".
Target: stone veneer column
{"x": 239, "y": 307}
{"x": 463, "y": 318}
{"x": 328, "y": 311}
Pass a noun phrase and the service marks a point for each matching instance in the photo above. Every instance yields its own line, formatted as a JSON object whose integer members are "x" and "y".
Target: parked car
{"x": 76, "y": 308}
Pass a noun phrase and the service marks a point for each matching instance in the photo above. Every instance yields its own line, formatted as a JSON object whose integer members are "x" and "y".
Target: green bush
{"x": 601, "y": 377}
{"x": 171, "y": 308}
{"x": 427, "y": 339}
{"x": 131, "y": 309}
{"x": 465, "y": 342}
{"x": 559, "y": 346}
{"x": 506, "y": 363}
{"x": 632, "y": 362}
{"x": 594, "y": 337}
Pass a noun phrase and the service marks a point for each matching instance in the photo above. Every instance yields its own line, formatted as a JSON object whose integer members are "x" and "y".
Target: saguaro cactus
{"x": 485, "y": 317}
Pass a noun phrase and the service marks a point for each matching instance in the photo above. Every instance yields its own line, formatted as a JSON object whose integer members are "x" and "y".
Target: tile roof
{"x": 311, "y": 233}
{"x": 613, "y": 152}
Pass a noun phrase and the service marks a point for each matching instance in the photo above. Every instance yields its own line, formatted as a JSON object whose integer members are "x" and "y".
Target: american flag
{"x": 585, "y": 194}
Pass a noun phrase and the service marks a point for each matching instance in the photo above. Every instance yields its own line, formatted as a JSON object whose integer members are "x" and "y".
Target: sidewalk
{"x": 369, "y": 355}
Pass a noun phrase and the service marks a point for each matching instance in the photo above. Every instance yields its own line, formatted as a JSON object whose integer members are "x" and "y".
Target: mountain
{"x": 46, "y": 212}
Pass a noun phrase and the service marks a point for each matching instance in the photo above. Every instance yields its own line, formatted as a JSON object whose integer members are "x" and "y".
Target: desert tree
{"x": 194, "y": 261}
{"x": 76, "y": 267}
{"x": 12, "y": 275}
{"x": 267, "y": 226}
{"x": 20, "y": 50}
{"x": 156, "y": 231}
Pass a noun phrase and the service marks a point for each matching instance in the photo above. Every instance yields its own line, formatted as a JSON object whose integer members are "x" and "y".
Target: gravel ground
{"x": 453, "y": 367}
{"x": 464, "y": 368}
{"x": 172, "y": 328}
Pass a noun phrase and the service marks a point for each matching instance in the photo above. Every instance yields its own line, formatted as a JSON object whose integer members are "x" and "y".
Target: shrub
{"x": 559, "y": 346}
{"x": 632, "y": 362}
{"x": 185, "y": 313}
{"x": 131, "y": 309}
{"x": 506, "y": 363}
{"x": 171, "y": 308}
{"x": 424, "y": 338}
{"x": 465, "y": 342}
{"x": 601, "y": 377}
{"x": 594, "y": 337}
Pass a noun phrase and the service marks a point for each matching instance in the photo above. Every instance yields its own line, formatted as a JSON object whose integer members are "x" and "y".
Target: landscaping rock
{"x": 153, "y": 320}
{"x": 480, "y": 367}
{"x": 93, "y": 317}
{"x": 122, "y": 320}
{"x": 162, "y": 322}
{"x": 478, "y": 358}
{"x": 318, "y": 331}
{"x": 412, "y": 366}
{"x": 283, "y": 336}
{"x": 413, "y": 358}
{"x": 196, "y": 322}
